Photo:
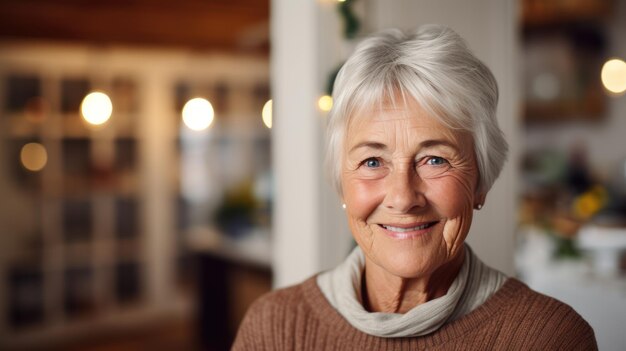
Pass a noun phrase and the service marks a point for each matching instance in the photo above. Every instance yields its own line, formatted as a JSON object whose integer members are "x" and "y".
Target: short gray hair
{"x": 434, "y": 66}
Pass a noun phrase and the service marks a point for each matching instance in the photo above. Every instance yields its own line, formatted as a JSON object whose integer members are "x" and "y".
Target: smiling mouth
{"x": 408, "y": 229}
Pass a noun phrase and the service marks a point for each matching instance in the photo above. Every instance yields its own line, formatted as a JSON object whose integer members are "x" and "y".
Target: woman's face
{"x": 409, "y": 185}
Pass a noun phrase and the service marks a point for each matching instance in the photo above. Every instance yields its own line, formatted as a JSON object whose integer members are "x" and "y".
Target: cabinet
{"x": 72, "y": 231}
{"x": 95, "y": 239}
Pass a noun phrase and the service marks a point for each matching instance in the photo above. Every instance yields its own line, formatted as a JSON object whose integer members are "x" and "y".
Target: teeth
{"x": 404, "y": 230}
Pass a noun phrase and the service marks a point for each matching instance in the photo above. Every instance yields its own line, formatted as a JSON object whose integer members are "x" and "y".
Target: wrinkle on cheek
{"x": 371, "y": 238}
{"x": 466, "y": 181}
{"x": 468, "y": 168}
{"x": 465, "y": 173}
{"x": 460, "y": 189}
{"x": 455, "y": 230}
{"x": 364, "y": 234}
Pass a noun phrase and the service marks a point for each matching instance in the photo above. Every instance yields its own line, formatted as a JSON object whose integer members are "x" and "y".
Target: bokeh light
{"x": 267, "y": 114}
{"x": 614, "y": 76}
{"x": 325, "y": 103}
{"x": 198, "y": 114}
{"x": 96, "y": 108}
{"x": 34, "y": 157}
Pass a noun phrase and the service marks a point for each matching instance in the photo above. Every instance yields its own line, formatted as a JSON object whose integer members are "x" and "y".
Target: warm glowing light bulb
{"x": 267, "y": 114}
{"x": 34, "y": 157}
{"x": 198, "y": 114}
{"x": 96, "y": 108}
{"x": 325, "y": 103}
{"x": 614, "y": 76}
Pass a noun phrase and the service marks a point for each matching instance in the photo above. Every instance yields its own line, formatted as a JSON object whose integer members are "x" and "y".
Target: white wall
{"x": 336, "y": 239}
{"x": 309, "y": 231}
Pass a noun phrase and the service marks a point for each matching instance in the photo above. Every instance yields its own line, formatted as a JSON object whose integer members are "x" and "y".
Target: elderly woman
{"x": 414, "y": 146}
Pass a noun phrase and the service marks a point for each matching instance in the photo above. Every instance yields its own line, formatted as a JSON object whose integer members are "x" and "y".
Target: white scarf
{"x": 474, "y": 284}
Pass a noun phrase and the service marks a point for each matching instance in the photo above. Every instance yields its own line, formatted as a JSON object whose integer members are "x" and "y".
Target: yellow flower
{"x": 590, "y": 202}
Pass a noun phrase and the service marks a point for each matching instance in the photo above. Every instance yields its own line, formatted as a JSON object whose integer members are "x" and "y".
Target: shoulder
{"x": 278, "y": 301}
{"x": 278, "y": 304}
{"x": 524, "y": 300}
{"x": 270, "y": 313}
{"x": 544, "y": 320}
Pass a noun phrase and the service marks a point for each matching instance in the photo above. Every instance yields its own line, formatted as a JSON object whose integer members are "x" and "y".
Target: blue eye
{"x": 372, "y": 163}
{"x": 432, "y": 167}
{"x": 436, "y": 161}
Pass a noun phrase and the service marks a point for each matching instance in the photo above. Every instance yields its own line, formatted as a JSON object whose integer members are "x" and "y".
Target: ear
{"x": 479, "y": 199}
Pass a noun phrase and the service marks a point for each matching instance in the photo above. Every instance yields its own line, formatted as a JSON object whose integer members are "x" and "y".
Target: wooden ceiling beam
{"x": 191, "y": 23}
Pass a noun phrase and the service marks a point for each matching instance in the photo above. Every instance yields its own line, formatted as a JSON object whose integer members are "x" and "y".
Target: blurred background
{"x": 161, "y": 162}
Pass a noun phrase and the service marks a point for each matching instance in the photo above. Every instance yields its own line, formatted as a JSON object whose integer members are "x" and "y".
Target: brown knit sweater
{"x": 514, "y": 318}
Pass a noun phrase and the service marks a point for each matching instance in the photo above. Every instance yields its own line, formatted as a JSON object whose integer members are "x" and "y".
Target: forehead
{"x": 400, "y": 118}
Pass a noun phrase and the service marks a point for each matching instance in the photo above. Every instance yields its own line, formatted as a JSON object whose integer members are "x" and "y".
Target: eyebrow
{"x": 368, "y": 144}
{"x": 426, "y": 144}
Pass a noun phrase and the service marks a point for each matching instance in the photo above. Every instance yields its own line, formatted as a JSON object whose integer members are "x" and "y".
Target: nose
{"x": 404, "y": 191}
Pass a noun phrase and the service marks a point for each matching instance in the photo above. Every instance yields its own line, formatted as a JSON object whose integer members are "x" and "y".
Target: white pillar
{"x": 156, "y": 126}
{"x": 296, "y": 146}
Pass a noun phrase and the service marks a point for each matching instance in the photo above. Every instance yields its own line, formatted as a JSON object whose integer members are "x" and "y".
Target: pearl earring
{"x": 479, "y": 206}
{"x": 343, "y": 206}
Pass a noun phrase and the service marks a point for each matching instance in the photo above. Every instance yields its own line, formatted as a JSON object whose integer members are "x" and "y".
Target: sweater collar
{"x": 474, "y": 284}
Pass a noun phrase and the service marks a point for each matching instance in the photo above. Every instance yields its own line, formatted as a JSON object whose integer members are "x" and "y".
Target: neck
{"x": 384, "y": 292}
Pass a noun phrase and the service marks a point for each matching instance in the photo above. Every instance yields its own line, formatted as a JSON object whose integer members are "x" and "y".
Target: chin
{"x": 408, "y": 263}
